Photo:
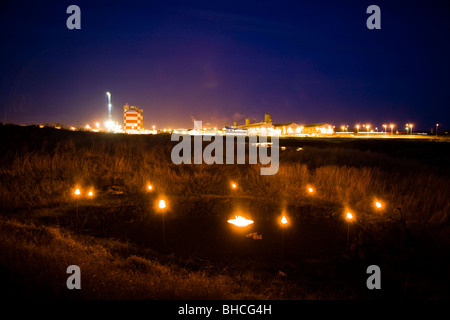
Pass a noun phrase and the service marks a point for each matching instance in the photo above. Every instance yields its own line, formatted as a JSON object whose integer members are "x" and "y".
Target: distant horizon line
{"x": 66, "y": 126}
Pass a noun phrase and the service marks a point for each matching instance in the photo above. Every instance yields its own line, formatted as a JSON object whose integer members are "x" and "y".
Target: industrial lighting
{"x": 149, "y": 187}
{"x": 310, "y": 190}
{"x": 162, "y": 204}
{"x": 240, "y": 221}
{"x": 284, "y": 220}
{"x": 378, "y": 204}
{"x": 349, "y": 216}
{"x": 234, "y": 185}
{"x": 109, "y": 124}
{"x": 77, "y": 192}
{"x": 90, "y": 193}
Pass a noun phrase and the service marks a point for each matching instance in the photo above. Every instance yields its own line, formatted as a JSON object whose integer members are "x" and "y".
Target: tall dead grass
{"x": 37, "y": 257}
{"x": 43, "y": 172}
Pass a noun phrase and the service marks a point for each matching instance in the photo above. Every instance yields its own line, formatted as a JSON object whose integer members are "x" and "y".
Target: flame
{"x": 162, "y": 204}
{"x": 240, "y": 221}
{"x": 284, "y": 220}
{"x": 349, "y": 216}
{"x": 77, "y": 192}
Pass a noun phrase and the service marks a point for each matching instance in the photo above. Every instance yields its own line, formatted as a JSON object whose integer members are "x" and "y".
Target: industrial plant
{"x": 267, "y": 128}
{"x": 133, "y": 123}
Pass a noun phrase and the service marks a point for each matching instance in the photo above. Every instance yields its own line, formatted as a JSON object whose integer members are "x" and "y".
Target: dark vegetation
{"x": 116, "y": 237}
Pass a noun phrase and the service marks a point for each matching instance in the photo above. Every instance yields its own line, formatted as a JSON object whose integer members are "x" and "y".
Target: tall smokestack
{"x": 235, "y": 124}
{"x": 247, "y": 121}
{"x": 267, "y": 118}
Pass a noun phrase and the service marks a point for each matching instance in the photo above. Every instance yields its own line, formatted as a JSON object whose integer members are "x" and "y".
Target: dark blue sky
{"x": 219, "y": 61}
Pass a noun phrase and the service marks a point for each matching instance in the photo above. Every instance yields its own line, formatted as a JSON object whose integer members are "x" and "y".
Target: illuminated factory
{"x": 267, "y": 128}
{"x": 132, "y": 119}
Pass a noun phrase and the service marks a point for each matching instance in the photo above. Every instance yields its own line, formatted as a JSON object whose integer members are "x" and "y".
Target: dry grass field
{"x": 115, "y": 236}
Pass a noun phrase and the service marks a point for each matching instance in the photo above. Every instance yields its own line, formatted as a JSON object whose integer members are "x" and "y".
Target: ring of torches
{"x": 238, "y": 221}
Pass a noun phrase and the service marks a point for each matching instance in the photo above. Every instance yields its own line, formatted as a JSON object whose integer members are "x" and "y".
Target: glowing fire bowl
{"x": 240, "y": 221}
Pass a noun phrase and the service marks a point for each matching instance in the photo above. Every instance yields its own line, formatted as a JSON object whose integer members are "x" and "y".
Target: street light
{"x": 384, "y": 125}
{"x": 411, "y": 126}
{"x": 357, "y": 128}
{"x": 437, "y": 127}
{"x": 392, "y": 129}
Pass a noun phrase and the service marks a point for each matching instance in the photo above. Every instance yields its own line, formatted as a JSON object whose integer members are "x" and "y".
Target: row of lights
{"x": 368, "y": 126}
{"x": 243, "y": 222}
{"x": 238, "y": 221}
{"x": 77, "y": 193}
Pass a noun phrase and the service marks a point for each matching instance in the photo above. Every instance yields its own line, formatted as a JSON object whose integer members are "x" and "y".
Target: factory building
{"x": 289, "y": 129}
{"x": 267, "y": 128}
{"x": 132, "y": 118}
{"x": 263, "y": 128}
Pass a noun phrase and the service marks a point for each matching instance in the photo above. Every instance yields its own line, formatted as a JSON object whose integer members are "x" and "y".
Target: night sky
{"x": 219, "y": 61}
